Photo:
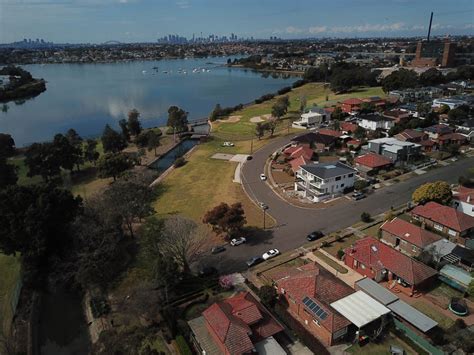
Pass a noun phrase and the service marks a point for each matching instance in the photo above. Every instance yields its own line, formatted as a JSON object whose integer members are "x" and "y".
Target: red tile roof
{"x": 311, "y": 280}
{"x": 372, "y": 160}
{"x": 444, "y": 215}
{"x": 373, "y": 253}
{"x": 296, "y": 163}
{"x": 352, "y": 101}
{"x": 348, "y": 127}
{"x": 354, "y": 142}
{"x": 330, "y": 132}
{"x": 302, "y": 151}
{"x": 412, "y": 234}
{"x": 464, "y": 194}
{"x": 409, "y": 134}
{"x": 233, "y": 320}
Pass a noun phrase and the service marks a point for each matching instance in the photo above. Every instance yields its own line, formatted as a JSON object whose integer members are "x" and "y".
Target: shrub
{"x": 340, "y": 253}
{"x": 365, "y": 217}
{"x": 267, "y": 295}
{"x": 183, "y": 345}
{"x": 284, "y": 90}
{"x": 179, "y": 162}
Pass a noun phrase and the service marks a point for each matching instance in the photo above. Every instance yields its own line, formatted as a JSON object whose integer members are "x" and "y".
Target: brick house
{"x": 380, "y": 262}
{"x": 411, "y": 135}
{"x": 397, "y": 115}
{"x": 463, "y": 200}
{"x": 348, "y": 127}
{"x": 308, "y": 291}
{"x": 456, "y": 225}
{"x": 233, "y": 326}
{"x": 371, "y": 163}
{"x": 407, "y": 237}
{"x": 351, "y": 105}
{"x": 320, "y": 142}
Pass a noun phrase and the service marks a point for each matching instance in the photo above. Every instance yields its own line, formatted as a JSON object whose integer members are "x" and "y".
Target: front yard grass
{"x": 330, "y": 262}
{"x": 372, "y": 231}
{"x": 340, "y": 244}
{"x": 430, "y": 310}
{"x": 10, "y": 275}
{"x": 382, "y": 347}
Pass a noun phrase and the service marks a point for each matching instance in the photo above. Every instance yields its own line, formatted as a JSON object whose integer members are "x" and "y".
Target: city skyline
{"x": 94, "y": 21}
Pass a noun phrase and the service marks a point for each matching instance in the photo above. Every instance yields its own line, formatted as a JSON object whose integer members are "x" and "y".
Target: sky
{"x": 97, "y": 21}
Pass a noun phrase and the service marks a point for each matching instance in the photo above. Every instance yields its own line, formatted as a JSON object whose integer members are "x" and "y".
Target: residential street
{"x": 294, "y": 223}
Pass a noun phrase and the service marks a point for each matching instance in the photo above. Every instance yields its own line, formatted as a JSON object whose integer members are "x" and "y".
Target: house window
{"x": 438, "y": 227}
{"x": 350, "y": 175}
{"x": 338, "y": 178}
{"x": 316, "y": 322}
{"x": 342, "y": 185}
{"x": 451, "y": 232}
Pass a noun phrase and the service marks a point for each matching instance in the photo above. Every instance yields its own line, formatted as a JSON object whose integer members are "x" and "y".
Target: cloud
{"x": 293, "y": 30}
{"x": 398, "y": 26}
{"x": 183, "y": 4}
{"x": 317, "y": 29}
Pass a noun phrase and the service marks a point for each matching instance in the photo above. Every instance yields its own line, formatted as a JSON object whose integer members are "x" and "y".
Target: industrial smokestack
{"x": 429, "y": 28}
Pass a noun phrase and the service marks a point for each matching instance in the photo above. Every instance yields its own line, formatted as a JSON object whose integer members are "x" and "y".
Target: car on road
{"x": 254, "y": 261}
{"x": 227, "y": 144}
{"x": 315, "y": 235}
{"x": 270, "y": 254}
{"x": 263, "y": 177}
{"x": 208, "y": 271}
{"x": 249, "y": 157}
{"x": 263, "y": 206}
{"x": 217, "y": 249}
{"x": 356, "y": 196}
{"x": 237, "y": 241}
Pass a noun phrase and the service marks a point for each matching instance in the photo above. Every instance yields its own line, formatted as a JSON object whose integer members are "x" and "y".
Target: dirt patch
{"x": 231, "y": 119}
{"x": 261, "y": 118}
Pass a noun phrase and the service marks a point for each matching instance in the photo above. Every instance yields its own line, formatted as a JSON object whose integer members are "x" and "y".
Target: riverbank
{"x": 23, "y": 92}
{"x": 267, "y": 70}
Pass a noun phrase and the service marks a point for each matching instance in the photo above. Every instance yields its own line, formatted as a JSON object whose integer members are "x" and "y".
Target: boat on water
{"x": 143, "y": 71}
{"x": 165, "y": 72}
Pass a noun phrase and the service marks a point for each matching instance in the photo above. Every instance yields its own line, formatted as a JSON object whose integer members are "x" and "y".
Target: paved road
{"x": 294, "y": 223}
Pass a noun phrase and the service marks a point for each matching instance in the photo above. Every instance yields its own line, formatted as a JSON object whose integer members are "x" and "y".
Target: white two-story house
{"x": 318, "y": 182}
{"x": 375, "y": 121}
{"x": 312, "y": 118}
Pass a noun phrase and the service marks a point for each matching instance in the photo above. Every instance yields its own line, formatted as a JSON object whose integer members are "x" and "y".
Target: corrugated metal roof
{"x": 376, "y": 291}
{"x": 360, "y": 309}
{"x": 412, "y": 315}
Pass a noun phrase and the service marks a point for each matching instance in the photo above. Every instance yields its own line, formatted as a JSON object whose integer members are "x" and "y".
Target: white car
{"x": 237, "y": 241}
{"x": 263, "y": 177}
{"x": 227, "y": 144}
{"x": 270, "y": 254}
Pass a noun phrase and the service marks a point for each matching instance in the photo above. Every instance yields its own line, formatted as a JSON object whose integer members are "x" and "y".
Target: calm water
{"x": 87, "y": 96}
{"x": 169, "y": 158}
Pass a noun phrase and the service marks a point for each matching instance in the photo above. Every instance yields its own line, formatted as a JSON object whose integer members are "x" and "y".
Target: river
{"x": 88, "y": 96}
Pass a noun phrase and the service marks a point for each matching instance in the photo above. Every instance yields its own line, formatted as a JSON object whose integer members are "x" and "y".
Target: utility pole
{"x": 251, "y": 146}
{"x": 264, "y": 208}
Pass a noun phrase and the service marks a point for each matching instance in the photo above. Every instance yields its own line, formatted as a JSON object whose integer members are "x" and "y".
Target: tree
{"x": 33, "y": 222}
{"x": 438, "y": 191}
{"x": 124, "y": 127}
{"x": 129, "y": 200}
{"x": 303, "y": 103}
{"x": 423, "y": 109}
{"x": 366, "y": 107}
{"x": 73, "y": 137}
{"x": 336, "y": 125}
{"x": 360, "y": 185}
{"x": 365, "y": 217}
{"x": 112, "y": 141}
{"x": 8, "y": 174}
{"x": 444, "y": 109}
{"x": 271, "y": 125}
{"x": 134, "y": 125}
{"x": 259, "y": 130}
{"x": 458, "y": 115}
{"x": 113, "y": 164}
{"x": 215, "y": 114}
{"x": 226, "y": 219}
{"x": 40, "y": 158}
{"x": 452, "y": 149}
{"x": 90, "y": 152}
{"x": 280, "y": 108}
{"x": 400, "y": 79}
{"x": 359, "y": 132}
{"x": 178, "y": 119}
{"x": 153, "y": 141}
{"x": 65, "y": 153}
{"x": 431, "y": 77}
{"x": 7, "y": 146}
{"x": 338, "y": 114}
{"x": 267, "y": 295}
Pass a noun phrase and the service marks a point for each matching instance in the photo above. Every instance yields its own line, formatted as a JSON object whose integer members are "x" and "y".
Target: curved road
{"x": 294, "y": 223}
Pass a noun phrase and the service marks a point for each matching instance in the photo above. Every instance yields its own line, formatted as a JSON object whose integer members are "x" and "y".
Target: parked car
{"x": 263, "y": 177}
{"x": 254, "y": 261}
{"x": 227, "y": 144}
{"x": 249, "y": 157}
{"x": 217, "y": 249}
{"x": 237, "y": 241}
{"x": 356, "y": 196}
{"x": 207, "y": 271}
{"x": 263, "y": 206}
{"x": 315, "y": 235}
{"x": 270, "y": 254}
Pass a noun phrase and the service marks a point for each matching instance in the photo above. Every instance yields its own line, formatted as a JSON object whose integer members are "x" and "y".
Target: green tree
{"x": 280, "y": 108}
{"x": 360, "y": 185}
{"x": 338, "y": 114}
{"x": 112, "y": 141}
{"x": 438, "y": 191}
{"x": 431, "y": 77}
{"x": 226, "y": 219}
{"x": 90, "y": 152}
{"x": 113, "y": 164}
{"x": 400, "y": 79}
{"x": 124, "y": 127}
{"x": 365, "y": 217}
{"x": 260, "y": 130}
{"x": 7, "y": 146}
{"x": 366, "y": 107}
{"x": 423, "y": 109}
{"x": 65, "y": 153}
{"x": 303, "y": 103}
{"x": 215, "y": 114}
{"x": 267, "y": 295}
{"x": 8, "y": 174}
{"x": 443, "y": 109}
{"x": 458, "y": 115}
{"x": 177, "y": 119}
{"x": 153, "y": 141}
{"x": 359, "y": 133}
{"x": 40, "y": 159}
{"x": 134, "y": 125}
{"x": 271, "y": 125}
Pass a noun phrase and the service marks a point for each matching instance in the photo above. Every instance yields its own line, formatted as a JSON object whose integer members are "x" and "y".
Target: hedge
{"x": 183, "y": 346}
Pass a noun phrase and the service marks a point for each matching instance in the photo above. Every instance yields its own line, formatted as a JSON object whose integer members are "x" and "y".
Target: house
{"x": 370, "y": 163}
{"x": 315, "y": 140}
{"x": 438, "y": 130}
{"x": 394, "y": 149}
{"x": 375, "y": 121}
{"x": 463, "y": 200}
{"x": 452, "y": 138}
{"x": 375, "y": 101}
{"x": 380, "y": 262}
{"x": 450, "y": 102}
{"x": 348, "y": 127}
{"x": 353, "y": 143}
{"x": 294, "y": 152}
{"x": 233, "y": 326}
{"x": 407, "y": 237}
{"x": 330, "y": 132}
{"x": 456, "y": 225}
{"x": 308, "y": 292}
{"x": 397, "y": 115}
{"x": 351, "y": 105}
{"x": 409, "y": 108}
{"x": 296, "y": 163}
{"x": 411, "y": 135}
{"x": 318, "y": 182}
{"x": 314, "y": 117}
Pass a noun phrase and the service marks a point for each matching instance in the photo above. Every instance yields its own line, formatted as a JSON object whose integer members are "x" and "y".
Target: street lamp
{"x": 264, "y": 209}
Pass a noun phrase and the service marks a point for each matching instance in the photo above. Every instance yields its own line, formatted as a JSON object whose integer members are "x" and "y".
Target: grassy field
{"x": 443, "y": 321}
{"x": 315, "y": 93}
{"x": 10, "y": 271}
{"x": 382, "y": 347}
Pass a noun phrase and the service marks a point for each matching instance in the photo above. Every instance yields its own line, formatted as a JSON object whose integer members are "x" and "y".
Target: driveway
{"x": 294, "y": 223}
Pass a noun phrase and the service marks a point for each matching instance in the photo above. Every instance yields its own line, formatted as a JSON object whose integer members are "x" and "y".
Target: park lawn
{"x": 201, "y": 184}
{"x": 430, "y": 310}
{"x": 10, "y": 270}
{"x": 22, "y": 171}
{"x": 382, "y": 347}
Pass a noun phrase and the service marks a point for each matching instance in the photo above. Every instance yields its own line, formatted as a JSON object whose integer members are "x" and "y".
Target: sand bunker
{"x": 261, "y": 118}
{"x": 232, "y": 119}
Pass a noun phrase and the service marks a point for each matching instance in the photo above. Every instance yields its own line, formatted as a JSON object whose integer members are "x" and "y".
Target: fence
{"x": 425, "y": 344}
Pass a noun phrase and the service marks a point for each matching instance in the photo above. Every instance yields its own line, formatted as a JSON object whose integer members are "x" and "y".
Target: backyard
{"x": 428, "y": 309}
{"x": 382, "y": 347}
